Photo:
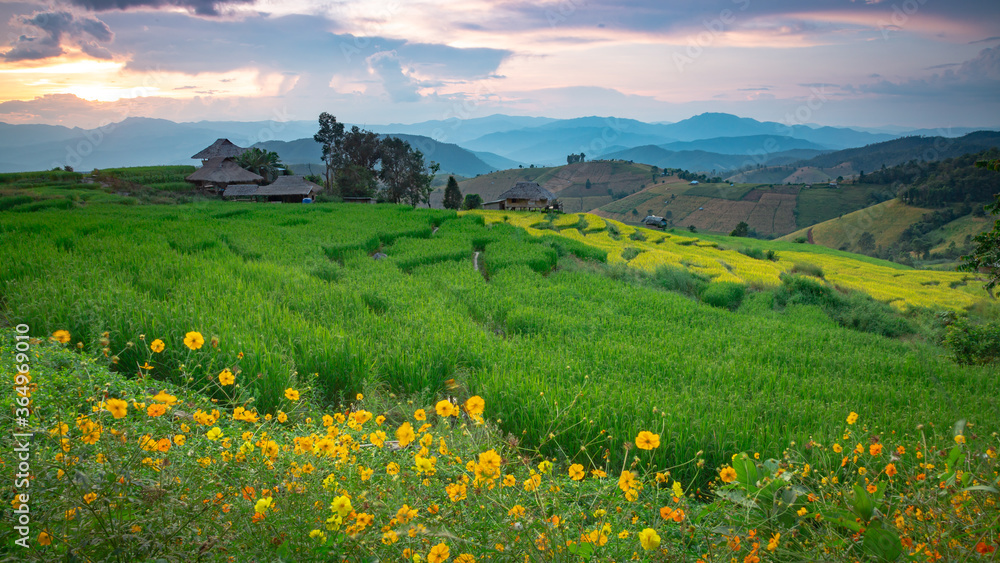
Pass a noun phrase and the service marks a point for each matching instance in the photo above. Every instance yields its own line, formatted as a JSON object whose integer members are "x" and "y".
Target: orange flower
{"x": 890, "y": 470}
{"x": 156, "y": 346}
{"x": 875, "y": 449}
{"x": 63, "y": 337}
{"x": 155, "y": 410}
{"x": 728, "y": 475}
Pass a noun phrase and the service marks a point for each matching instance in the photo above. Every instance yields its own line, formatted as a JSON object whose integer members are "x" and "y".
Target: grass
{"x": 125, "y": 471}
{"x": 721, "y": 191}
{"x": 821, "y": 203}
{"x": 548, "y": 329}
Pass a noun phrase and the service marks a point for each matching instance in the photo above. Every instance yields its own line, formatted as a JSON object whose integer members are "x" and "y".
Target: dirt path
{"x": 475, "y": 261}
{"x": 809, "y": 236}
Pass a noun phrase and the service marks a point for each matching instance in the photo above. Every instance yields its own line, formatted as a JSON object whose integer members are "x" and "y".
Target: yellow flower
{"x": 342, "y": 506}
{"x": 420, "y": 414}
{"x": 89, "y": 497}
{"x": 62, "y": 336}
{"x": 576, "y": 472}
{"x": 262, "y": 505}
{"x": 226, "y": 377}
{"x": 545, "y": 466}
{"x": 802, "y": 511}
{"x": 392, "y": 468}
{"x": 214, "y": 434}
{"x": 117, "y": 407}
{"x": 156, "y": 346}
{"x": 291, "y": 394}
{"x": 959, "y": 439}
{"x": 445, "y": 408}
{"x": 649, "y": 539}
{"x": 475, "y": 405}
{"x": 678, "y": 490}
{"x": 837, "y": 448}
{"x": 647, "y": 440}
{"x": 165, "y": 398}
{"x": 404, "y": 434}
{"x": 155, "y": 410}
{"x": 194, "y": 340}
{"x": 852, "y": 418}
{"x": 179, "y": 439}
{"x": 45, "y": 538}
{"x": 728, "y": 475}
{"x": 772, "y": 544}
{"x": 465, "y": 558}
{"x": 282, "y": 417}
{"x": 439, "y": 553}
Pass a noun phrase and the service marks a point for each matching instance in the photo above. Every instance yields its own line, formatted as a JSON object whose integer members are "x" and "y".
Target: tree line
{"x": 359, "y": 163}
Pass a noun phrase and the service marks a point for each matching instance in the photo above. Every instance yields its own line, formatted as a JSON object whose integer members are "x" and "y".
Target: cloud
{"x": 399, "y": 86}
{"x": 200, "y": 7}
{"x": 987, "y": 40}
{"x": 58, "y": 28}
{"x": 977, "y": 78}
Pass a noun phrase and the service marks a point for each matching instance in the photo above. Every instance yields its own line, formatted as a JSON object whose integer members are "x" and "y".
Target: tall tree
{"x": 395, "y": 172}
{"x": 986, "y": 256}
{"x": 472, "y": 201}
{"x": 452, "y": 195}
{"x": 331, "y": 137}
{"x": 361, "y": 153}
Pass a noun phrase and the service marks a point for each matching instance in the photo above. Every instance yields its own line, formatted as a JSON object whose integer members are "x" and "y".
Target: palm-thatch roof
{"x": 240, "y": 190}
{"x": 222, "y": 170}
{"x": 527, "y": 190}
{"x": 221, "y": 147}
{"x": 288, "y": 185}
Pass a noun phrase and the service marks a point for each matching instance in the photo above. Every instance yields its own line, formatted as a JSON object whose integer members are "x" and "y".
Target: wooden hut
{"x": 221, "y": 148}
{"x": 240, "y": 192}
{"x": 524, "y": 196}
{"x": 220, "y": 172}
{"x": 288, "y": 189}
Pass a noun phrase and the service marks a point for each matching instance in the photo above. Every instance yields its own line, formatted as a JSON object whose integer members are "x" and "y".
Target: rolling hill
{"x": 568, "y": 182}
{"x": 453, "y": 158}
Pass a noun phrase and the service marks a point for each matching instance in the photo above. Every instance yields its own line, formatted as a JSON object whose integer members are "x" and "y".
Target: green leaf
{"x": 863, "y": 504}
{"x": 984, "y": 488}
{"x": 746, "y": 472}
{"x": 882, "y": 543}
{"x": 583, "y": 550}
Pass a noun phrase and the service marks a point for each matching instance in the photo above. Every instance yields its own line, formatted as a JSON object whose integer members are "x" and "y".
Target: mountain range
{"x": 710, "y": 141}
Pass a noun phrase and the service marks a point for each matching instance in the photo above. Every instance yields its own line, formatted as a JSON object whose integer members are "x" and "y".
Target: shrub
{"x": 855, "y": 311}
{"x": 630, "y": 253}
{"x": 726, "y": 295}
{"x": 637, "y": 235}
{"x": 807, "y": 269}
{"x": 973, "y": 344}
{"x": 754, "y": 253}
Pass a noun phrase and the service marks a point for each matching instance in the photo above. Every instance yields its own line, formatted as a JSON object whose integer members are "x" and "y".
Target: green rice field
{"x": 573, "y": 356}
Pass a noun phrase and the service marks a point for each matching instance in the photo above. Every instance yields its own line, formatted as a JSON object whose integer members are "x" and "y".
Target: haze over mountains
{"x": 706, "y": 142}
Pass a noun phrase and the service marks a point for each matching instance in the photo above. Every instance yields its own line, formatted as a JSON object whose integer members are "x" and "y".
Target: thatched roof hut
{"x": 524, "y": 196}
{"x": 220, "y": 148}
{"x": 289, "y": 189}
{"x": 221, "y": 172}
{"x": 243, "y": 191}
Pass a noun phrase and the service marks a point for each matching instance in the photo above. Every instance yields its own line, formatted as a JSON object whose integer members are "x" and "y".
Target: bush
{"x": 630, "y": 253}
{"x": 807, "y": 269}
{"x": 973, "y": 344}
{"x": 856, "y": 311}
{"x": 755, "y": 253}
{"x": 726, "y": 295}
{"x": 637, "y": 235}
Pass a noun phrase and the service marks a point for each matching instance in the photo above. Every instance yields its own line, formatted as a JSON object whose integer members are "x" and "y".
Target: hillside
{"x": 713, "y": 164}
{"x": 567, "y": 182}
{"x": 869, "y": 158}
{"x": 453, "y": 158}
{"x": 886, "y": 221}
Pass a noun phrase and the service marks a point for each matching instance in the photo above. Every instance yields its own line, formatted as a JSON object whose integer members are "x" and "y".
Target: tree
{"x": 404, "y": 173}
{"x": 986, "y": 256}
{"x": 472, "y": 201}
{"x": 266, "y": 164}
{"x": 866, "y": 242}
{"x": 588, "y": 183}
{"x": 742, "y": 229}
{"x": 361, "y": 153}
{"x": 331, "y": 137}
{"x": 452, "y": 195}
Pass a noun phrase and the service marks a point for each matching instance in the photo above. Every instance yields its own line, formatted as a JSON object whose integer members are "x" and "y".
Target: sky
{"x": 865, "y": 63}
